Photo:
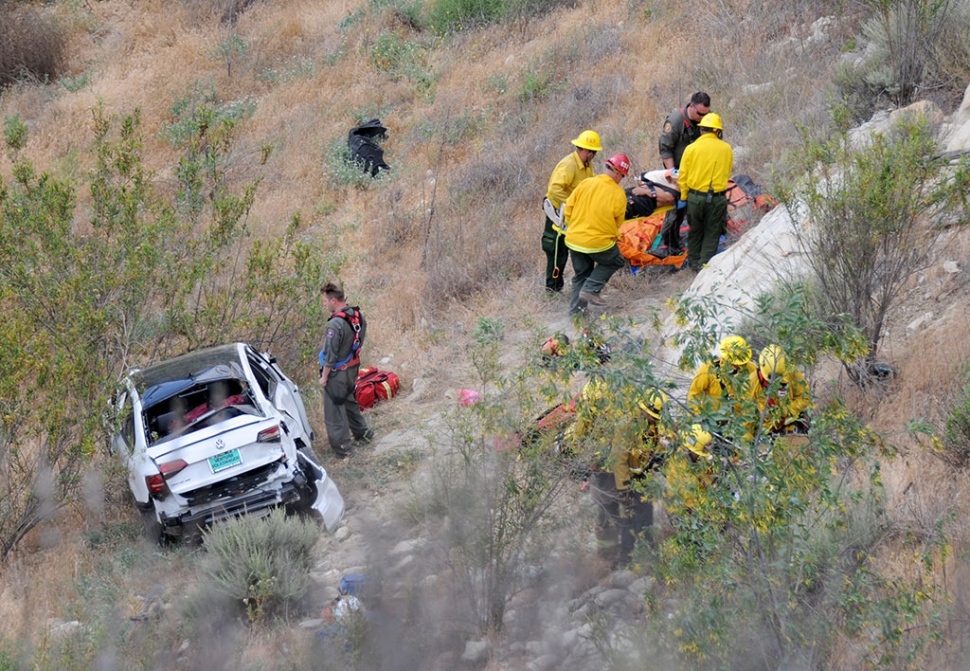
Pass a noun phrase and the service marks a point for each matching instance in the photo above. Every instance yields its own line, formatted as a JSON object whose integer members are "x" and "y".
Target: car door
{"x": 283, "y": 392}
{"x": 127, "y": 447}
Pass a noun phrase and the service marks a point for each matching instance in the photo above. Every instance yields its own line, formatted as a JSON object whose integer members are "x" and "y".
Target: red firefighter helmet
{"x": 620, "y": 163}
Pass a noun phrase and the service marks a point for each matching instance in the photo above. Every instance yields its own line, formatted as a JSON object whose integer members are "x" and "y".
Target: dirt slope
{"x": 506, "y": 101}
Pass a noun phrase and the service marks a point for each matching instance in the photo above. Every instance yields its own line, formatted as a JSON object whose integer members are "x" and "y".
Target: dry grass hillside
{"x": 477, "y": 118}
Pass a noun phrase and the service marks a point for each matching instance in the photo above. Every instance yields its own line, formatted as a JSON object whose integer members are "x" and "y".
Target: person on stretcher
{"x": 655, "y": 190}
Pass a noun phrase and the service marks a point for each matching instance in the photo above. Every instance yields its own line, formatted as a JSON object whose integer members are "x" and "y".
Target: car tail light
{"x": 156, "y": 483}
{"x": 271, "y": 435}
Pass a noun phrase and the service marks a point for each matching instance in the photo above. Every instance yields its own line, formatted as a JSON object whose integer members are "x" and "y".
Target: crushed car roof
{"x": 163, "y": 380}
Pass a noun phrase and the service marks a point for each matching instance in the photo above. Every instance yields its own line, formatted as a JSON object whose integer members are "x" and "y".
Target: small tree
{"x": 873, "y": 212}
{"x": 500, "y": 484}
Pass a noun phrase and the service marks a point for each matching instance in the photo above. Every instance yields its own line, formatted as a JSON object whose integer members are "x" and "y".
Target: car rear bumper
{"x": 247, "y": 504}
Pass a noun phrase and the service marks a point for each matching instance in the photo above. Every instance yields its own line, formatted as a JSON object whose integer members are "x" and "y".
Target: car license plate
{"x": 221, "y": 462}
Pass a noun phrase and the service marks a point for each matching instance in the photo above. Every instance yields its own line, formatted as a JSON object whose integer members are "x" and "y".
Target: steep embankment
{"x": 476, "y": 123}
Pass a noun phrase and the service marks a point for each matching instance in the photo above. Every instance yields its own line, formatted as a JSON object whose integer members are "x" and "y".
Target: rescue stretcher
{"x": 640, "y": 236}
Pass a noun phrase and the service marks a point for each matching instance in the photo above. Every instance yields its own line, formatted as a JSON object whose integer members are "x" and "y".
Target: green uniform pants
{"x": 591, "y": 272}
{"x": 708, "y": 222}
{"x": 554, "y": 245}
{"x": 341, "y": 413}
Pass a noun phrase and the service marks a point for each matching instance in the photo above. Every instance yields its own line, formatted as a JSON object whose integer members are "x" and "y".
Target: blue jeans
{"x": 591, "y": 272}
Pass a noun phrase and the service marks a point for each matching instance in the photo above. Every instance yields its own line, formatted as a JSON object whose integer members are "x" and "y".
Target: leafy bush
{"x": 401, "y": 59}
{"x": 262, "y": 564}
{"x": 448, "y": 16}
{"x": 772, "y": 554}
{"x": 231, "y": 51}
{"x": 956, "y": 435}
{"x": 342, "y": 168}
{"x": 538, "y": 80}
{"x": 32, "y": 45}
{"x": 489, "y": 330}
{"x": 873, "y": 206}
{"x": 198, "y": 109}
{"x": 501, "y": 500}
{"x": 915, "y": 48}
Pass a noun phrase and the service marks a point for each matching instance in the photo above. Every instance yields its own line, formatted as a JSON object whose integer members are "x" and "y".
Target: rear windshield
{"x": 177, "y": 407}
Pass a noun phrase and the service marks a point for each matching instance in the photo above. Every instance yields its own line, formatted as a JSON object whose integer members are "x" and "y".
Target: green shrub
{"x": 261, "y": 563}
{"x": 231, "y": 50}
{"x": 401, "y": 59}
{"x": 489, "y": 330}
{"x": 915, "y": 48}
{"x": 537, "y": 83}
{"x": 956, "y": 435}
{"x": 198, "y": 109}
{"x": 873, "y": 205}
{"x": 32, "y": 45}
{"x": 75, "y": 84}
{"x": 448, "y": 16}
{"x": 771, "y": 556}
{"x": 500, "y": 502}
{"x": 342, "y": 170}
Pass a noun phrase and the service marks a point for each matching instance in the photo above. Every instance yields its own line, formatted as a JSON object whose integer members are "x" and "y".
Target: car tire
{"x": 303, "y": 507}
{"x": 153, "y": 530}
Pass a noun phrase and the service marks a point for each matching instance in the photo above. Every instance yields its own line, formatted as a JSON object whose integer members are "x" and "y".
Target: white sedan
{"x": 216, "y": 433}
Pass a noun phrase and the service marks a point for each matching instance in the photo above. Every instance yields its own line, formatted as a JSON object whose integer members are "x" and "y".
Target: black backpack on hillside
{"x": 365, "y": 148}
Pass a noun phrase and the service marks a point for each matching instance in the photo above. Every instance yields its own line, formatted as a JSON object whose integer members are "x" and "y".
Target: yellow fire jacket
{"x": 635, "y": 460}
{"x": 706, "y": 165}
{"x": 688, "y": 481}
{"x": 566, "y": 176}
{"x": 594, "y": 213}
{"x": 708, "y": 386}
{"x": 787, "y": 403}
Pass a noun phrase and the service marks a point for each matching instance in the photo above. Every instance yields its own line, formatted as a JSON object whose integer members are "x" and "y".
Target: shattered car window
{"x": 179, "y": 399}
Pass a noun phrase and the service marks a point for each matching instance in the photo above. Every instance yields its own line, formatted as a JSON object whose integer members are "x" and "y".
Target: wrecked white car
{"x": 217, "y": 433}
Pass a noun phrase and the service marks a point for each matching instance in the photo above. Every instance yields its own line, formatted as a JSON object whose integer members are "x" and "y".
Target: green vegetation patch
{"x": 449, "y": 16}
{"x": 261, "y": 563}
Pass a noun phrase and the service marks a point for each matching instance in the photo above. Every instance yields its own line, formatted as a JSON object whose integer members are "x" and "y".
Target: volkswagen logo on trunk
{"x": 220, "y": 445}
